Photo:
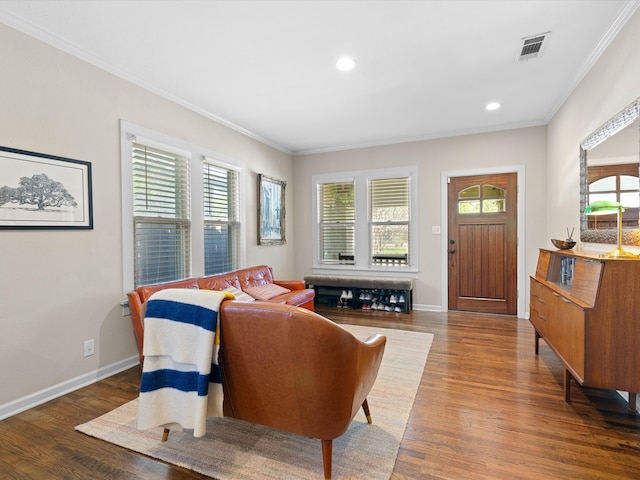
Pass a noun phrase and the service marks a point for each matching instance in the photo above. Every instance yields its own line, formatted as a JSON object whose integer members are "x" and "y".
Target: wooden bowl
{"x": 563, "y": 244}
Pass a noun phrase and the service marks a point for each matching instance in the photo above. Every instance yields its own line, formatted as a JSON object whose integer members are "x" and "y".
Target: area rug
{"x": 236, "y": 450}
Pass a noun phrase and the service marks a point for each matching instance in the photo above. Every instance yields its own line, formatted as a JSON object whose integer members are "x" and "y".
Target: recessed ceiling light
{"x": 492, "y": 106}
{"x": 345, "y": 64}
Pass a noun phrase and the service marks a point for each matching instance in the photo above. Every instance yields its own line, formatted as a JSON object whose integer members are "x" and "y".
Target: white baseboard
{"x": 21, "y": 404}
{"x": 427, "y": 308}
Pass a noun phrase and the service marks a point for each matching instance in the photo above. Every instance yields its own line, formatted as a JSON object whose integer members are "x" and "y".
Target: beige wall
{"x": 519, "y": 147}
{"x": 612, "y": 83}
{"x": 58, "y": 287}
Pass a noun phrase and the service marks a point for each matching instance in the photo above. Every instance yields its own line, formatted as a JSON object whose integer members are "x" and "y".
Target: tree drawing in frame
{"x": 271, "y": 218}
{"x": 39, "y": 191}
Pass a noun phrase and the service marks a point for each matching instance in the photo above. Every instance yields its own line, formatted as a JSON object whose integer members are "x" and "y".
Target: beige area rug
{"x": 235, "y": 450}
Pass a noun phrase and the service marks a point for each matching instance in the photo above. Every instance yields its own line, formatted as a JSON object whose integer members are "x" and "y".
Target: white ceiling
{"x": 425, "y": 69}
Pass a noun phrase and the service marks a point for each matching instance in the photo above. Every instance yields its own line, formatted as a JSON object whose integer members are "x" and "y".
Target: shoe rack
{"x": 366, "y": 299}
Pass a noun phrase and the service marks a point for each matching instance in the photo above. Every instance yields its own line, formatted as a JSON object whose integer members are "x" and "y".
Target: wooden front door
{"x": 482, "y": 245}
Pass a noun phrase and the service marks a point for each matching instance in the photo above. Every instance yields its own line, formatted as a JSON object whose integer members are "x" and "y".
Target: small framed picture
{"x": 271, "y": 217}
{"x": 39, "y": 191}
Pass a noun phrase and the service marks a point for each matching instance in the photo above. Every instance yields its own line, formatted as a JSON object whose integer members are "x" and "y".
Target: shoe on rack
{"x": 374, "y": 306}
{"x": 401, "y": 299}
{"x": 397, "y": 309}
{"x": 349, "y": 295}
{"x": 387, "y": 308}
{"x": 393, "y": 299}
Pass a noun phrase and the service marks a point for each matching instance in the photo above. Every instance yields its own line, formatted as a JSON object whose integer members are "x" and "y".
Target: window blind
{"x": 221, "y": 190}
{"x": 337, "y": 222}
{"x": 160, "y": 215}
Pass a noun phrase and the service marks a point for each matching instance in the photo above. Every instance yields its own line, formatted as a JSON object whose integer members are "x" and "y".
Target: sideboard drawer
{"x": 562, "y": 324}
{"x": 539, "y": 306}
{"x": 566, "y": 333}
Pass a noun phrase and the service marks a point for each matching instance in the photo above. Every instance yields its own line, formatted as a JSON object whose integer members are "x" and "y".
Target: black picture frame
{"x": 40, "y": 191}
{"x": 271, "y": 215}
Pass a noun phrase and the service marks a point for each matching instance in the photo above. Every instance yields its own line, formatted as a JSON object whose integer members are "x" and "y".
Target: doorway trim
{"x": 521, "y": 247}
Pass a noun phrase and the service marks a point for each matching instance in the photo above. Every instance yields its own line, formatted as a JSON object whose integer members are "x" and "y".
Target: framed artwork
{"x": 271, "y": 217}
{"x": 39, "y": 191}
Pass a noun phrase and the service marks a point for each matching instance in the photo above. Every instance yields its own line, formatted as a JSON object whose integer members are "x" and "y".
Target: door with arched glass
{"x": 482, "y": 246}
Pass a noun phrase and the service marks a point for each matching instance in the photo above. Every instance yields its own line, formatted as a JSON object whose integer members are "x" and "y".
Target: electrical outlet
{"x": 89, "y": 348}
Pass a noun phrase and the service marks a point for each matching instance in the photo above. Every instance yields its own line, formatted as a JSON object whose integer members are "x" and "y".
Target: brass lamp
{"x": 605, "y": 207}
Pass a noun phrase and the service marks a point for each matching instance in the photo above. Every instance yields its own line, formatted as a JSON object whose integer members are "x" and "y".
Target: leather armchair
{"x": 288, "y": 368}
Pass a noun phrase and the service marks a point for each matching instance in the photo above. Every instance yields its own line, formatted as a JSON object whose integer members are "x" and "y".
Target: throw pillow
{"x": 239, "y": 294}
{"x": 266, "y": 292}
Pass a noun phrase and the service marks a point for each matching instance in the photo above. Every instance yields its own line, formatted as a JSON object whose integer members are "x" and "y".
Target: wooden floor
{"x": 487, "y": 408}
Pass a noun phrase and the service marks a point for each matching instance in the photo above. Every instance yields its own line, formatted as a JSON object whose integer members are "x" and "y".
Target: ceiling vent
{"x": 532, "y": 47}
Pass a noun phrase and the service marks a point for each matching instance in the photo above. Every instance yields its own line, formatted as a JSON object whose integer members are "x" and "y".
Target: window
{"x": 482, "y": 199}
{"x": 221, "y": 218}
{"x": 389, "y": 221}
{"x": 618, "y": 183}
{"x": 365, "y": 220}
{"x": 160, "y": 215}
{"x": 181, "y": 209}
{"x": 337, "y": 222}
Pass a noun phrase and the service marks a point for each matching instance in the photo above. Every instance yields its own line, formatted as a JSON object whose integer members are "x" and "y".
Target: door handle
{"x": 452, "y": 250}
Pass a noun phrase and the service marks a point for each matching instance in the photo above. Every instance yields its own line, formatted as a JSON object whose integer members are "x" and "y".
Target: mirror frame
{"x": 620, "y": 121}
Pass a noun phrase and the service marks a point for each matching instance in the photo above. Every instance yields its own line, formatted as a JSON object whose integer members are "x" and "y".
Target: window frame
{"x": 324, "y": 224}
{"x": 197, "y": 154}
{"x": 168, "y": 172}
{"x": 232, "y": 223}
{"x": 362, "y": 258}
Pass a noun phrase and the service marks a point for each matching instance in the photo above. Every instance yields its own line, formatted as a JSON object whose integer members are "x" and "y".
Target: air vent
{"x": 532, "y": 47}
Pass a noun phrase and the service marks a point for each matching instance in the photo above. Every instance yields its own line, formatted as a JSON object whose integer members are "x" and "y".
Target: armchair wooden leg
{"x": 327, "y": 450}
{"x": 165, "y": 434}
{"x": 365, "y": 407}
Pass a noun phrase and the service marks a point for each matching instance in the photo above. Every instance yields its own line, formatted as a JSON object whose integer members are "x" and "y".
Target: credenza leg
{"x": 537, "y": 342}
{"x": 567, "y": 386}
{"x": 633, "y": 402}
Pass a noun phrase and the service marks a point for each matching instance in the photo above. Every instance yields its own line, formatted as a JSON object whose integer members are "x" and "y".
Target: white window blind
{"x": 221, "y": 191}
{"x": 336, "y": 202}
{"x": 389, "y": 221}
{"x": 160, "y": 215}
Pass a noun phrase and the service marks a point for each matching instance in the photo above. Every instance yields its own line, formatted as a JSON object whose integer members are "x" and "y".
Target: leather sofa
{"x": 294, "y": 370}
{"x": 245, "y": 279}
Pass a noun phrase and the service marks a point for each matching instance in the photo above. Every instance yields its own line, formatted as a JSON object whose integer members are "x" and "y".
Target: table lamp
{"x": 606, "y": 207}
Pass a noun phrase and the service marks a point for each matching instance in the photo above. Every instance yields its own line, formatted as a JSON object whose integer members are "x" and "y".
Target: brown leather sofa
{"x": 294, "y": 370}
{"x": 243, "y": 279}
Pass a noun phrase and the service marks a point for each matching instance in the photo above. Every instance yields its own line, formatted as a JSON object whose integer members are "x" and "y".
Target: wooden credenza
{"x": 587, "y": 309}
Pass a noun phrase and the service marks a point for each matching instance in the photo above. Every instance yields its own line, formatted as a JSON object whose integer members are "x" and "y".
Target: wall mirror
{"x": 610, "y": 170}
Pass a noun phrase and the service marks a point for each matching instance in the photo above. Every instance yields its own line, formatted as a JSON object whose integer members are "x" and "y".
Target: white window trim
{"x": 362, "y": 255}
{"x": 196, "y": 154}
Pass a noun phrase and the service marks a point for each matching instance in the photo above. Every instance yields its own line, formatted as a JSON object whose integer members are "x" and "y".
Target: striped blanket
{"x": 181, "y": 383}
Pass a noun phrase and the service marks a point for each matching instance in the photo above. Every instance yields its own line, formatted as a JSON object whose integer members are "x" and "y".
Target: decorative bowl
{"x": 563, "y": 244}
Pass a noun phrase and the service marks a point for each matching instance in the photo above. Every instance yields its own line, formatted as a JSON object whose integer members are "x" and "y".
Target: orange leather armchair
{"x": 291, "y": 369}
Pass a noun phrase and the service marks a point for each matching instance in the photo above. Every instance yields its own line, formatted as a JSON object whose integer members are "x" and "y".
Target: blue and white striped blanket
{"x": 181, "y": 383}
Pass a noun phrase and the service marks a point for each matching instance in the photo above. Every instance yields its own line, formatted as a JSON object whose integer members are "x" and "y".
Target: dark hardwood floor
{"x": 487, "y": 408}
